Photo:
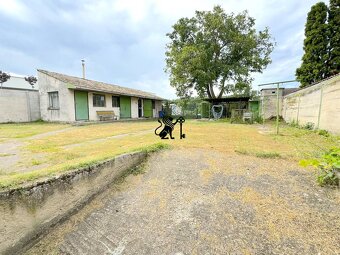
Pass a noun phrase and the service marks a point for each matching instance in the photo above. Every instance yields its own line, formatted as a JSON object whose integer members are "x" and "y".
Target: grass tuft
{"x": 268, "y": 155}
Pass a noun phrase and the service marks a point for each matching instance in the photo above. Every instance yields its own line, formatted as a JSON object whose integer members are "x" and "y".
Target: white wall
{"x": 17, "y": 105}
{"x": 303, "y": 106}
{"x": 158, "y": 107}
{"x": 66, "y": 111}
{"x": 268, "y": 102}
{"x": 108, "y": 106}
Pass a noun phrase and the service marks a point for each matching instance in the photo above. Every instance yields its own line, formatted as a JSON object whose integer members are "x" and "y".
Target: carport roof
{"x": 77, "y": 83}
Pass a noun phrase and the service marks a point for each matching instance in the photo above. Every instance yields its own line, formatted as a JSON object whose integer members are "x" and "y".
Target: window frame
{"x": 153, "y": 102}
{"x": 118, "y": 101}
{"x": 51, "y": 102}
{"x": 94, "y": 101}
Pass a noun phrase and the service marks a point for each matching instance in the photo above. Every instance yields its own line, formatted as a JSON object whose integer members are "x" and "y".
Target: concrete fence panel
{"x": 19, "y": 105}
{"x": 318, "y": 104}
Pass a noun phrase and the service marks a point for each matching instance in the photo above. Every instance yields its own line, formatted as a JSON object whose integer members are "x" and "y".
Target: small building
{"x": 67, "y": 98}
{"x": 269, "y": 101}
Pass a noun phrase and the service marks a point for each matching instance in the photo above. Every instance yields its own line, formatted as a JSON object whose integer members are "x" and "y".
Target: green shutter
{"x": 125, "y": 107}
{"x": 147, "y": 108}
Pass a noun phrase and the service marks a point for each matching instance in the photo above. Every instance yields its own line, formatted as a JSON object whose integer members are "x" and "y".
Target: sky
{"x": 123, "y": 41}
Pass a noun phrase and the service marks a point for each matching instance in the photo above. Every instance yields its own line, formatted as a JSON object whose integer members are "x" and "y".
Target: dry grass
{"x": 84, "y": 145}
{"x": 23, "y": 130}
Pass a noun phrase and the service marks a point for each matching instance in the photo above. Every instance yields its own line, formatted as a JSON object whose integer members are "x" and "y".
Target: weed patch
{"x": 268, "y": 155}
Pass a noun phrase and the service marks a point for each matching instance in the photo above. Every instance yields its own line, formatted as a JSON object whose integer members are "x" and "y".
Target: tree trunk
{"x": 211, "y": 90}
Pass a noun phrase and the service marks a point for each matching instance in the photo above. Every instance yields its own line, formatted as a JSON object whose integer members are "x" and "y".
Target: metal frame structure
{"x": 277, "y": 99}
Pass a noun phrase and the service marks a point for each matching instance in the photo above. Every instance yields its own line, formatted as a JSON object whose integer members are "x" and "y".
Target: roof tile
{"x": 90, "y": 85}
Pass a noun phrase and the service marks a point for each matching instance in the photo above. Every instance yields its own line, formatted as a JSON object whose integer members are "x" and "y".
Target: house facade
{"x": 67, "y": 98}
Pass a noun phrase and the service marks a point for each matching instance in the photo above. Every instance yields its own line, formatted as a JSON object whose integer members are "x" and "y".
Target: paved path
{"x": 203, "y": 202}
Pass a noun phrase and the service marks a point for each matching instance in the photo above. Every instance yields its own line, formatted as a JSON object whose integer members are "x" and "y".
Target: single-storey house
{"x": 68, "y": 98}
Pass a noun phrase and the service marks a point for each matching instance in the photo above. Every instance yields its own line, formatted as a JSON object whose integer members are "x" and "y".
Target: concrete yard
{"x": 199, "y": 201}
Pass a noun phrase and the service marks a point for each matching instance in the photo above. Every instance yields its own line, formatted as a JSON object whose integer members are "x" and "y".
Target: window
{"x": 115, "y": 101}
{"x": 153, "y": 104}
{"x": 53, "y": 99}
{"x": 98, "y": 100}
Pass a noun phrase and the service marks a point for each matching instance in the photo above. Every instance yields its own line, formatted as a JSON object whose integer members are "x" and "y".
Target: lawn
{"x": 39, "y": 150}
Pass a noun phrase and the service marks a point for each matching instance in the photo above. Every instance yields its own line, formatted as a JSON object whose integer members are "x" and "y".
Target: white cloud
{"x": 15, "y": 9}
{"x": 124, "y": 41}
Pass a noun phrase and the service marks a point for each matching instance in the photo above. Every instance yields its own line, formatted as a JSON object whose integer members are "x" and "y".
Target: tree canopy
{"x": 4, "y": 77}
{"x": 313, "y": 67}
{"x": 334, "y": 37}
{"x": 216, "y": 50}
{"x": 321, "y": 45}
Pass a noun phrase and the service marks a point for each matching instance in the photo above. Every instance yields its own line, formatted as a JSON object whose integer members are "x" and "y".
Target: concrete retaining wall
{"x": 29, "y": 212}
{"x": 318, "y": 104}
{"x": 19, "y": 105}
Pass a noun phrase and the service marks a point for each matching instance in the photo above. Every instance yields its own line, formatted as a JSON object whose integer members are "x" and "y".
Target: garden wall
{"x": 318, "y": 104}
{"x": 19, "y": 105}
{"x": 29, "y": 212}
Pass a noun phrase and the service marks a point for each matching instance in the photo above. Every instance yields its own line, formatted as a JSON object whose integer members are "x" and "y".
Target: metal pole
{"x": 83, "y": 65}
{"x": 277, "y": 108}
{"x": 321, "y": 95}
{"x": 263, "y": 112}
{"x": 298, "y": 110}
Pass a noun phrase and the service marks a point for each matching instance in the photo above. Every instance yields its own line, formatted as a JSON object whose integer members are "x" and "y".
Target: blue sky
{"x": 123, "y": 42}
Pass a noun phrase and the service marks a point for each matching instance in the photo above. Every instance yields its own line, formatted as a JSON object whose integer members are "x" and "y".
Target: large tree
{"x": 216, "y": 50}
{"x": 314, "y": 61}
{"x": 334, "y": 37}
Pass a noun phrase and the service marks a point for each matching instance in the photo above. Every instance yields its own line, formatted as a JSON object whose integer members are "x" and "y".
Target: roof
{"x": 77, "y": 83}
{"x": 228, "y": 99}
{"x": 270, "y": 88}
{"x": 288, "y": 91}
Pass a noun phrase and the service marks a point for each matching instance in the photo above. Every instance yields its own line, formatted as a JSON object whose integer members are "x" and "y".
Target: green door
{"x": 147, "y": 108}
{"x": 81, "y": 105}
{"x": 125, "y": 107}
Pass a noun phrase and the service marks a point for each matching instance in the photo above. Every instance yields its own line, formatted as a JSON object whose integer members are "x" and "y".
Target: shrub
{"x": 309, "y": 126}
{"x": 323, "y": 132}
{"x": 328, "y": 166}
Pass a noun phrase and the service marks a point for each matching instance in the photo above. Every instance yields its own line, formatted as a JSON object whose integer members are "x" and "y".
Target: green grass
{"x": 25, "y": 130}
{"x": 259, "y": 154}
{"x": 268, "y": 155}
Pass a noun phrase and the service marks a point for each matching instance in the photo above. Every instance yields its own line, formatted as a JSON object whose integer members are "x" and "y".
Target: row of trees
{"x": 322, "y": 44}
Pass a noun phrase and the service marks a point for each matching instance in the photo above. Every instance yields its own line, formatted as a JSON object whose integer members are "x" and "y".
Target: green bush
{"x": 328, "y": 166}
{"x": 309, "y": 126}
{"x": 323, "y": 132}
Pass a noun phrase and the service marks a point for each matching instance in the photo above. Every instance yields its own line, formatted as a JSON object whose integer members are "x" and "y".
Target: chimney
{"x": 83, "y": 64}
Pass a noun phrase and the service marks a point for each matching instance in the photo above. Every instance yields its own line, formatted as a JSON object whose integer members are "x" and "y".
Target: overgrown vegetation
{"x": 328, "y": 167}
